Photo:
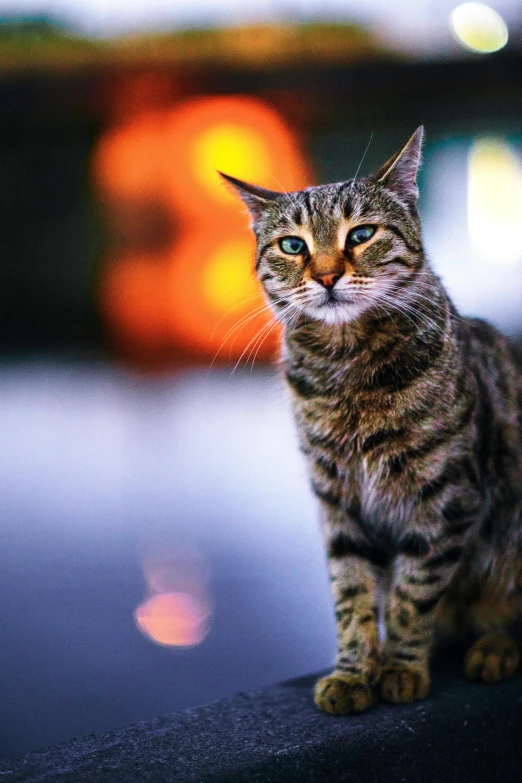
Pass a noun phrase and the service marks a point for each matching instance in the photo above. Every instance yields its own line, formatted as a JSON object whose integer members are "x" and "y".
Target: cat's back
{"x": 495, "y": 360}
{"x": 496, "y": 364}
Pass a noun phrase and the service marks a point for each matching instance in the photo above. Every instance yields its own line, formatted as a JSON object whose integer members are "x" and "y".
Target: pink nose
{"x": 327, "y": 280}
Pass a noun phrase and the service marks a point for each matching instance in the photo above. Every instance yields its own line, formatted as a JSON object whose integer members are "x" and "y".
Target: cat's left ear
{"x": 256, "y": 198}
{"x": 399, "y": 173}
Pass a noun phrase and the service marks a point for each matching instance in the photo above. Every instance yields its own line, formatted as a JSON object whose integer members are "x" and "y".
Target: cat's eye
{"x": 359, "y": 235}
{"x": 292, "y": 245}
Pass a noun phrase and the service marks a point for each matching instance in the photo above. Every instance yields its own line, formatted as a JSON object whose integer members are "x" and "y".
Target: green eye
{"x": 358, "y": 236}
{"x": 292, "y": 245}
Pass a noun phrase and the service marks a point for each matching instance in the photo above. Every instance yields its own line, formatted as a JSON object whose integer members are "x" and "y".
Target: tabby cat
{"x": 410, "y": 418}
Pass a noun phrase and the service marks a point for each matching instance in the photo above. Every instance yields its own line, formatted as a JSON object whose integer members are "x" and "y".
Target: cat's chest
{"x": 332, "y": 435}
{"x": 336, "y": 431}
{"x": 340, "y": 418}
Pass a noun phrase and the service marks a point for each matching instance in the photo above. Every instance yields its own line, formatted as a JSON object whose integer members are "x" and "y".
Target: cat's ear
{"x": 399, "y": 173}
{"x": 256, "y": 198}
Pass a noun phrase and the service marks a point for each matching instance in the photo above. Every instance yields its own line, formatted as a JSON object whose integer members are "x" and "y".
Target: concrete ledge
{"x": 463, "y": 733}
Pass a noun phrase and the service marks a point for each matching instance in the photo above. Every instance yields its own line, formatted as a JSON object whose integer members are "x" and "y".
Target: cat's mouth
{"x": 336, "y": 307}
{"x": 333, "y": 299}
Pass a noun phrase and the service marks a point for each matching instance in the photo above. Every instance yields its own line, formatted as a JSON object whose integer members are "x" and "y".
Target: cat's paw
{"x": 402, "y": 684}
{"x": 492, "y": 658}
{"x": 342, "y": 694}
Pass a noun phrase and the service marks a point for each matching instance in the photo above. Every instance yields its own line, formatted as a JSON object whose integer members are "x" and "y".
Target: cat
{"x": 410, "y": 419}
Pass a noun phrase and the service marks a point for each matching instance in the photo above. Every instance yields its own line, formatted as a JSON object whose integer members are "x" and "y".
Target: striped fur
{"x": 410, "y": 418}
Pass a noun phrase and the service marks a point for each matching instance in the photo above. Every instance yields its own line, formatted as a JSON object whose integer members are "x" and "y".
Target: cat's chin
{"x": 336, "y": 313}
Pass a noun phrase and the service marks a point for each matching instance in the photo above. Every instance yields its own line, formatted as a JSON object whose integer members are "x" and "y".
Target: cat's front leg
{"x": 350, "y": 687}
{"x": 418, "y": 585}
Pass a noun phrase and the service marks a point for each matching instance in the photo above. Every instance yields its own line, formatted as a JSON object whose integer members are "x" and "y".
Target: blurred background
{"x": 158, "y": 541}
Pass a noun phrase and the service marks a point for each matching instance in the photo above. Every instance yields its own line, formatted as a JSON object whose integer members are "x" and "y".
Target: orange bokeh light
{"x": 239, "y": 135}
{"x": 135, "y": 300}
{"x": 128, "y": 161}
{"x": 215, "y": 279}
{"x": 169, "y": 158}
{"x": 174, "y": 619}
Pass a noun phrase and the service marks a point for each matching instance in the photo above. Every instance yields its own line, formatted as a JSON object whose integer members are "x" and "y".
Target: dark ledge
{"x": 463, "y": 733}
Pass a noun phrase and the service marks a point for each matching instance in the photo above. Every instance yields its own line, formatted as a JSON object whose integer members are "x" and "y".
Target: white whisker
{"x": 405, "y": 309}
{"x": 230, "y": 309}
{"x": 263, "y": 338}
{"x": 285, "y": 192}
{"x": 364, "y": 155}
{"x": 292, "y": 307}
{"x": 240, "y": 324}
{"x": 253, "y": 340}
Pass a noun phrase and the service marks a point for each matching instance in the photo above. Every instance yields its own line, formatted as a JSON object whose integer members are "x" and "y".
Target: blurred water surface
{"x": 101, "y": 470}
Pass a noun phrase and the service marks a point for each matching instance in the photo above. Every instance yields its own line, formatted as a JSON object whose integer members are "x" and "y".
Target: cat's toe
{"x": 342, "y": 694}
{"x": 403, "y": 684}
{"x": 492, "y": 658}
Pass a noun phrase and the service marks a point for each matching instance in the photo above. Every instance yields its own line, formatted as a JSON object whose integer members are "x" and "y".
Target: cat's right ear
{"x": 399, "y": 173}
{"x": 256, "y": 198}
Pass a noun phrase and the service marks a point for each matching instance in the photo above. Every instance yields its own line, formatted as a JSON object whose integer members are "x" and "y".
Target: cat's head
{"x": 335, "y": 251}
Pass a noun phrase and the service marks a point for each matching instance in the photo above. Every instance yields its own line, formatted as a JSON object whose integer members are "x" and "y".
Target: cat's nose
{"x": 328, "y": 280}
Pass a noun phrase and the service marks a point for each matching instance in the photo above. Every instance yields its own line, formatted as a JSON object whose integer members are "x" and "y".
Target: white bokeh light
{"x": 478, "y": 27}
{"x": 495, "y": 201}
{"x": 480, "y": 266}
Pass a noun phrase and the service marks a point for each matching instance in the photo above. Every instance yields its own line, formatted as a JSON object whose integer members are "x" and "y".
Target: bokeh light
{"x": 129, "y": 158}
{"x": 225, "y": 148}
{"x": 165, "y": 162}
{"x": 226, "y": 277}
{"x": 478, "y": 28}
{"x": 173, "y": 619}
{"x": 240, "y": 135}
{"x": 134, "y": 298}
{"x": 177, "y": 609}
{"x": 495, "y": 201}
